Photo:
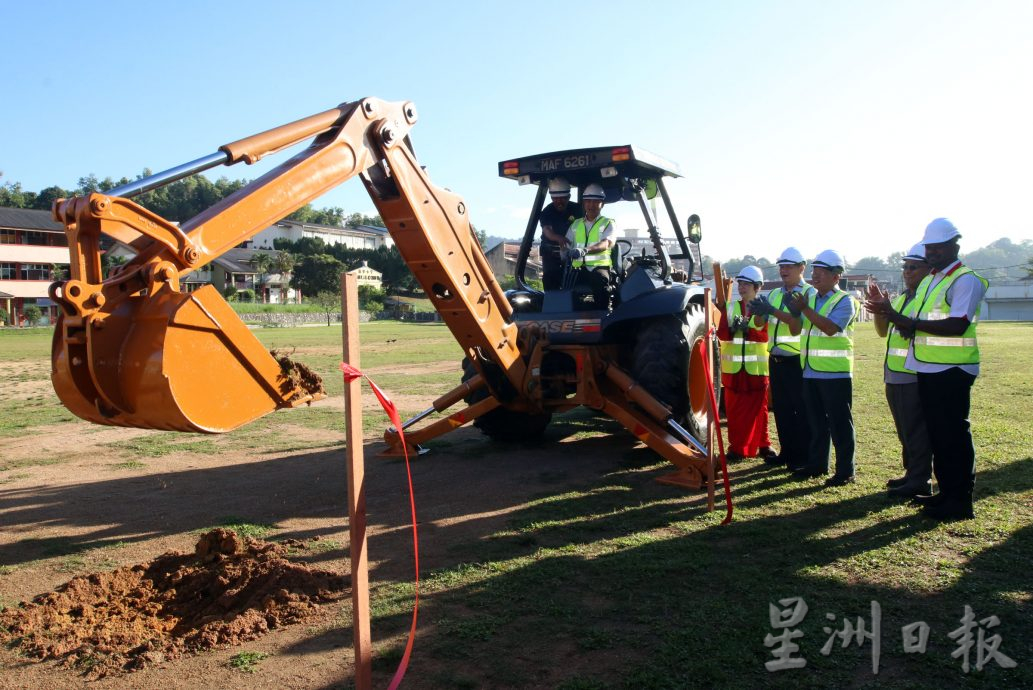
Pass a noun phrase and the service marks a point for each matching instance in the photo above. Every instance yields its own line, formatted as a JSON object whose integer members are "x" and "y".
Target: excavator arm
{"x": 133, "y": 349}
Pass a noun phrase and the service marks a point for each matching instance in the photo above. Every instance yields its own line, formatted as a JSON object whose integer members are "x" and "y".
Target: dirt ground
{"x": 82, "y": 516}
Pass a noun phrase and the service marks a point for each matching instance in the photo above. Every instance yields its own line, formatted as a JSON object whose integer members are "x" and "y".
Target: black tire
{"x": 503, "y": 424}
{"x": 661, "y": 364}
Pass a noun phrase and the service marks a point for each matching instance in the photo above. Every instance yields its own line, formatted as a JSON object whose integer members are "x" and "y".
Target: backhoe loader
{"x": 133, "y": 349}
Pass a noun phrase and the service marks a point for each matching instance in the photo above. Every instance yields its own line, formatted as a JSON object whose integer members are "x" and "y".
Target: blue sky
{"x": 816, "y": 123}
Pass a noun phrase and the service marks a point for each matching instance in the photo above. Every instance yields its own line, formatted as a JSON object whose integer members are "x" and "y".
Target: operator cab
{"x": 627, "y": 175}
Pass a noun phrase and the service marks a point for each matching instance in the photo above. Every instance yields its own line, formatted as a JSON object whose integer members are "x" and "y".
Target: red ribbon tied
{"x": 350, "y": 374}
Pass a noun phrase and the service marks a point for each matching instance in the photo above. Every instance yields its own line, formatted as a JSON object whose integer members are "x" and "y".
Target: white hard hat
{"x": 594, "y": 191}
{"x": 916, "y": 253}
{"x": 940, "y": 230}
{"x": 559, "y": 187}
{"x": 829, "y": 258}
{"x": 751, "y": 274}
{"x": 791, "y": 255}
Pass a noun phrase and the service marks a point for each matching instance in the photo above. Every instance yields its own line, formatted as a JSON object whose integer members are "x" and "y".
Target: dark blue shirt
{"x": 558, "y": 221}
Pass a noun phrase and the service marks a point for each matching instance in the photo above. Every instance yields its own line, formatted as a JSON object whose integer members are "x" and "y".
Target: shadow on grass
{"x": 586, "y": 591}
{"x": 604, "y": 580}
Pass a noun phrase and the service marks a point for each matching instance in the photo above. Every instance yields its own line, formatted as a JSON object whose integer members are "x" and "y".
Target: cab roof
{"x": 584, "y": 166}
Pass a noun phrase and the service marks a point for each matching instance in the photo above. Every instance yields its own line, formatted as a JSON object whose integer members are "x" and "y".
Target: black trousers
{"x": 915, "y": 449}
{"x": 945, "y": 398}
{"x": 552, "y": 266}
{"x": 794, "y": 437}
{"x": 830, "y": 414}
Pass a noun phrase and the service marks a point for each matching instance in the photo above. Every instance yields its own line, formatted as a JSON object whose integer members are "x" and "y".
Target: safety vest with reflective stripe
{"x": 778, "y": 332}
{"x": 945, "y": 349}
{"x": 739, "y": 351}
{"x": 827, "y": 353}
{"x": 584, "y": 237}
{"x": 896, "y": 344}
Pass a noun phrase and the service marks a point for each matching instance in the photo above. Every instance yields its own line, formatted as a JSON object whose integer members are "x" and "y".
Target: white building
{"x": 365, "y": 275}
{"x": 32, "y": 246}
{"x": 1007, "y": 301}
{"x": 358, "y": 237}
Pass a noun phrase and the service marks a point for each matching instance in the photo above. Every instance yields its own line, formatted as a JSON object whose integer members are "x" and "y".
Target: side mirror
{"x": 695, "y": 232}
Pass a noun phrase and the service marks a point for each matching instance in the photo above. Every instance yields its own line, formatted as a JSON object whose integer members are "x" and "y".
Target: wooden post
{"x": 356, "y": 487}
{"x": 711, "y": 421}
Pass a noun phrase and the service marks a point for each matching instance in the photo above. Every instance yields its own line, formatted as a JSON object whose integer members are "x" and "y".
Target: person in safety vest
{"x": 827, "y": 361}
{"x": 590, "y": 239}
{"x": 744, "y": 370}
{"x": 786, "y": 375}
{"x": 944, "y": 354}
{"x": 555, "y": 220}
{"x": 916, "y": 451}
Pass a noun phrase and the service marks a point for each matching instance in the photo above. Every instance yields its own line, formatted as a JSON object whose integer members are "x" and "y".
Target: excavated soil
{"x": 229, "y": 591}
{"x": 299, "y": 376}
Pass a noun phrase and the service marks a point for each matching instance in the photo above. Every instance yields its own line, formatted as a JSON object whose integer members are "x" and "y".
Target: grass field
{"x": 631, "y": 584}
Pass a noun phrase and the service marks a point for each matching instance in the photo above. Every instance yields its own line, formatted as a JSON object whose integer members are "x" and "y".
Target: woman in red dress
{"x": 744, "y": 371}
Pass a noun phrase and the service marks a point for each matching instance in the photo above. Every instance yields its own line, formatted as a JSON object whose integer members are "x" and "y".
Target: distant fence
{"x": 287, "y": 319}
{"x": 417, "y": 316}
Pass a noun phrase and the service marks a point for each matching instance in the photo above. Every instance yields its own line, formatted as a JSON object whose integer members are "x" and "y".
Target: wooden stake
{"x": 356, "y": 487}
{"x": 711, "y": 421}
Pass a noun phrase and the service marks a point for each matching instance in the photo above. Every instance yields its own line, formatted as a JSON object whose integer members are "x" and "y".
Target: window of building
{"x": 8, "y": 236}
{"x": 34, "y": 237}
{"x": 8, "y": 271}
{"x": 35, "y": 272}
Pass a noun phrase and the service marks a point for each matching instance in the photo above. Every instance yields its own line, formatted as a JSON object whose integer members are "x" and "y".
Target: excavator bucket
{"x": 175, "y": 361}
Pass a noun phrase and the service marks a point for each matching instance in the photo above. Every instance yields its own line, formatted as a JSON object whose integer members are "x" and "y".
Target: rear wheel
{"x": 502, "y": 424}
{"x": 668, "y": 363}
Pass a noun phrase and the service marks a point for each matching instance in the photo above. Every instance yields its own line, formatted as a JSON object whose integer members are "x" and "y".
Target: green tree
{"x": 869, "y": 263}
{"x": 283, "y": 263}
{"x": 325, "y": 216}
{"x": 371, "y": 298}
{"x": 315, "y": 274}
{"x": 46, "y": 198}
{"x": 330, "y": 302}
{"x": 1028, "y": 268}
{"x": 262, "y": 262}
{"x": 361, "y": 219}
{"x": 394, "y": 271}
{"x": 13, "y": 196}
{"x": 32, "y": 314}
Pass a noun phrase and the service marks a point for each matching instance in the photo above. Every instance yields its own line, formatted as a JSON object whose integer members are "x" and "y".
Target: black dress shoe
{"x": 950, "y": 509}
{"x": 793, "y": 469}
{"x": 808, "y": 473}
{"x": 839, "y": 481}
{"x": 774, "y": 460}
{"x": 894, "y": 483}
{"x": 732, "y": 456}
{"x": 910, "y": 490}
{"x": 767, "y": 453}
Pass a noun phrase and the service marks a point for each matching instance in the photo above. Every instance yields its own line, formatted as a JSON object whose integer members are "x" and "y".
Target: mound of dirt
{"x": 227, "y": 592}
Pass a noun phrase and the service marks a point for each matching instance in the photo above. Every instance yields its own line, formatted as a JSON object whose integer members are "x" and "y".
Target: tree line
{"x": 178, "y": 201}
{"x": 312, "y": 265}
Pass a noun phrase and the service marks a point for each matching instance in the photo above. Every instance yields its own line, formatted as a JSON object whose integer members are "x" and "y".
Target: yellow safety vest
{"x": 896, "y": 344}
{"x": 827, "y": 353}
{"x": 584, "y": 237}
{"x": 778, "y": 332}
{"x": 945, "y": 349}
{"x": 739, "y": 351}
